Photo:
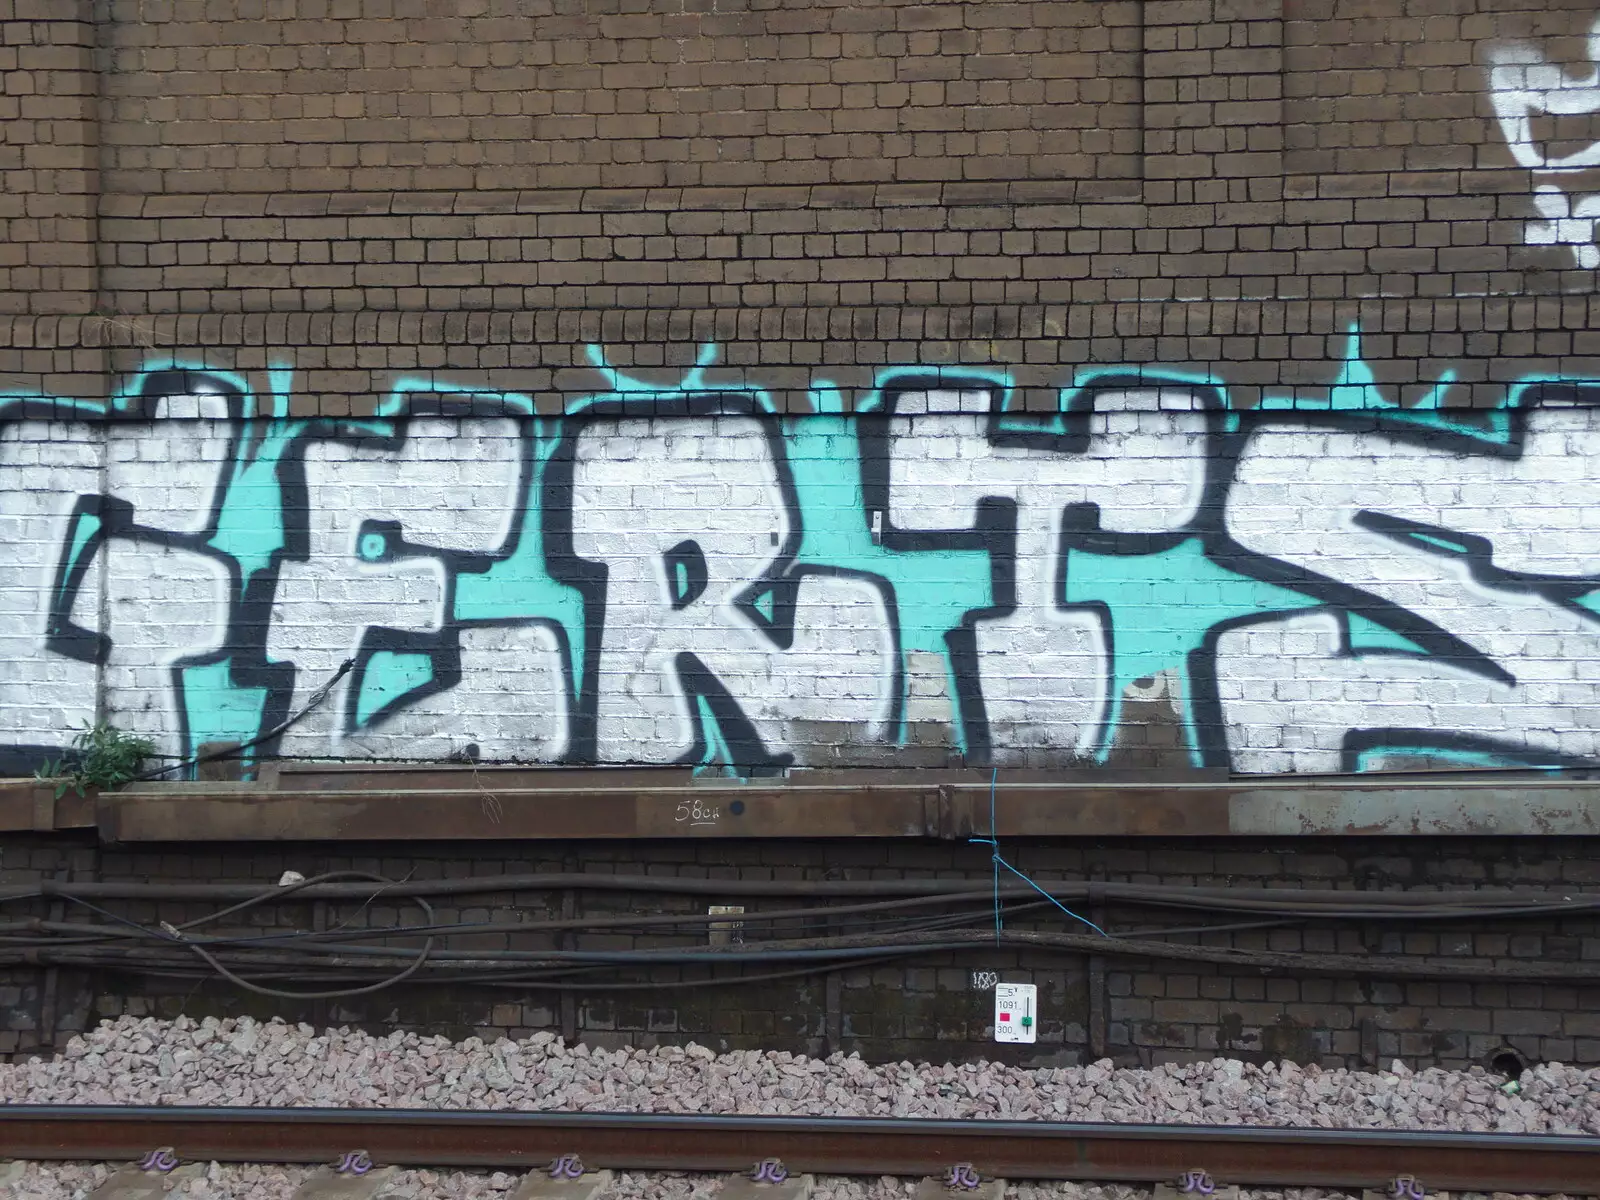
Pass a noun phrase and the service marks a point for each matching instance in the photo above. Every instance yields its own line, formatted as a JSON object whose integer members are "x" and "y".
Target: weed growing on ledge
{"x": 102, "y": 756}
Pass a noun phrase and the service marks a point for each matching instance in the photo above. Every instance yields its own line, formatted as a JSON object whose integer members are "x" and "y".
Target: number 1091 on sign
{"x": 1016, "y": 1012}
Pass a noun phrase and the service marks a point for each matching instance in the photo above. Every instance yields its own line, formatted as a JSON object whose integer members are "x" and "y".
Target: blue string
{"x": 999, "y": 862}
{"x": 994, "y": 847}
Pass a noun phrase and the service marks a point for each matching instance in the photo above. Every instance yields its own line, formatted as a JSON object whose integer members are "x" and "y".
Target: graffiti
{"x": 689, "y": 575}
{"x": 1546, "y": 114}
{"x": 1434, "y": 537}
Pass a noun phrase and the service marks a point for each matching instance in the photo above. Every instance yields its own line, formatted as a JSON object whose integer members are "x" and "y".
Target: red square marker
{"x": 1005, "y": 1016}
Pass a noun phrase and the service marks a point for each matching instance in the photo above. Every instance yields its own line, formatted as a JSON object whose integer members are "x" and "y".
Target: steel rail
{"x": 1008, "y": 1149}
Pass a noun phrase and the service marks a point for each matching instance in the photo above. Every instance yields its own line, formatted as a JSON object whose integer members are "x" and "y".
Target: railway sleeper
{"x": 963, "y": 1180}
{"x": 140, "y": 1182}
{"x": 344, "y": 1183}
{"x": 1196, "y": 1185}
{"x": 769, "y": 1179}
{"x": 564, "y": 1179}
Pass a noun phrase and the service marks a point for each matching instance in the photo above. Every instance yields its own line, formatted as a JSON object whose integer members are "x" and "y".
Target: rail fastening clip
{"x": 962, "y": 1177}
{"x": 162, "y": 1159}
{"x": 354, "y": 1162}
{"x": 568, "y": 1166}
{"x": 1196, "y": 1183}
{"x": 769, "y": 1170}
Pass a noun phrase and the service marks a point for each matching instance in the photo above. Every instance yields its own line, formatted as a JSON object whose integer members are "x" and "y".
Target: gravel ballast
{"x": 243, "y": 1061}
{"x": 246, "y": 1062}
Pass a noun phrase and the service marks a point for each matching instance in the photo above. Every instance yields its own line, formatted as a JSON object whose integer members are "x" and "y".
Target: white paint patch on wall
{"x": 170, "y": 479}
{"x": 164, "y": 605}
{"x": 44, "y": 468}
{"x": 510, "y": 703}
{"x": 1532, "y": 96}
{"x": 327, "y": 604}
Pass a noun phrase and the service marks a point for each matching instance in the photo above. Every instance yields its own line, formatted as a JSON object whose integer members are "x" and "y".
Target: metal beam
{"x": 1010, "y": 1149}
{"x": 28, "y": 805}
{"x": 385, "y": 805}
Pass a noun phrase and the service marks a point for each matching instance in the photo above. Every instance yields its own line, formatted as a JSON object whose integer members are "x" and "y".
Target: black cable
{"x": 179, "y": 934}
{"x": 849, "y": 949}
{"x": 536, "y": 981}
{"x": 708, "y": 981}
{"x": 73, "y": 933}
{"x": 1232, "y": 927}
{"x": 323, "y": 955}
{"x": 235, "y": 751}
{"x": 821, "y": 915}
{"x": 1362, "y": 904}
{"x": 122, "y": 927}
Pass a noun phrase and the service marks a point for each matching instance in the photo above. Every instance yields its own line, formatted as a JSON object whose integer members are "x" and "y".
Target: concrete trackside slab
{"x": 740, "y": 1187}
{"x": 934, "y": 1188}
{"x": 540, "y": 1186}
{"x": 328, "y": 1184}
{"x": 131, "y": 1183}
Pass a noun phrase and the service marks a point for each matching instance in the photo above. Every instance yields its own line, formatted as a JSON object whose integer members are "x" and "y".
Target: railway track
{"x": 1150, "y": 1154}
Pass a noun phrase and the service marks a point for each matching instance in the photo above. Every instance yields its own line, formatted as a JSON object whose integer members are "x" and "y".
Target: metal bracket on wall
{"x": 725, "y": 933}
{"x": 1099, "y": 1027}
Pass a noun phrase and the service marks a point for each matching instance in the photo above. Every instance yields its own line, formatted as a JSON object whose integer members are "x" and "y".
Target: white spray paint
{"x": 1524, "y": 88}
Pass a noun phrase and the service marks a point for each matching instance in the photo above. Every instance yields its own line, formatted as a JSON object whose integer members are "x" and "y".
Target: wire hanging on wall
{"x": 999, "y": 861}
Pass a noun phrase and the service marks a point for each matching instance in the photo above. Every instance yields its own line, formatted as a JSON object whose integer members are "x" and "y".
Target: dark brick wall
{"x": 1222, "y": 185}
{"x": 1135, "y": 1011}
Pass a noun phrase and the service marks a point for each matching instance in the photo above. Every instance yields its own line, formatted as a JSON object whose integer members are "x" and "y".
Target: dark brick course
{"x": 1155, "y": 1011}
{"x": 1223, "y": 186}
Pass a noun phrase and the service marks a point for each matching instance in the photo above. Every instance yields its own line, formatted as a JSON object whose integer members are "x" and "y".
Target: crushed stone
{"x": 241, "y": 1061}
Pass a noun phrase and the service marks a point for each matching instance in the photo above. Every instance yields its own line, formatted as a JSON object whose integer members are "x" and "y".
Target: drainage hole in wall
{"x": 1508, "y": 1062}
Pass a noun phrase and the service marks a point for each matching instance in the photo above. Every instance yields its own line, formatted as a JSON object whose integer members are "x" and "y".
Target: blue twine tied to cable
{"x": 999, "y": 862}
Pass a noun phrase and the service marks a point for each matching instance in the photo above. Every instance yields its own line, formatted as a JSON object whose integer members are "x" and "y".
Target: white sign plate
{"x": 1016, "y": 1012}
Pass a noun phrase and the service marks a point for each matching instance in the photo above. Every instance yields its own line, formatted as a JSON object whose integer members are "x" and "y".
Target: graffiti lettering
{"x": 711, "y": 627}
{"x": 1451, "y": 547}
{"x": 691, "y": 576}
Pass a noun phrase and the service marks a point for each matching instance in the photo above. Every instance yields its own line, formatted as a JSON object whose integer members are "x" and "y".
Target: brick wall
{"x": 1218, "y": 183}
{"x": 49, "y": 160}
{"x": 1132, "y": 1010}
{"x": 1146, "y": 576}
{"x": 1247, "y": 330}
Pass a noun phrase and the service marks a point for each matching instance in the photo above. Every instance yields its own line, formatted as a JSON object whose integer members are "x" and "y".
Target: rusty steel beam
{"x": 26, "y": 805}
{"x": 443, "y": 804}
{"x": 1010, "y": 1149}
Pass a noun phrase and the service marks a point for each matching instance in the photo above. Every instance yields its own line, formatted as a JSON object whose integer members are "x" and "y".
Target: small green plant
{"x": 102, "y": 756}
